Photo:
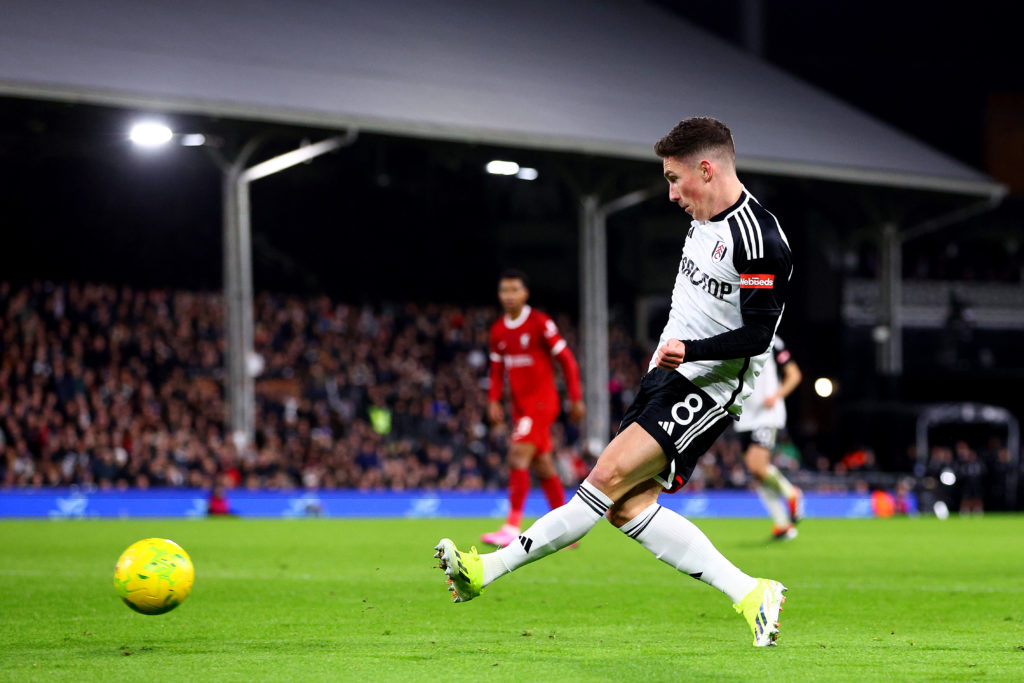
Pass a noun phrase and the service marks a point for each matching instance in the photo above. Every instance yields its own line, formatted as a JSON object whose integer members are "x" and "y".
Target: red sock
{"x": 553, "y": 490}
{"x": 518, "y": 487}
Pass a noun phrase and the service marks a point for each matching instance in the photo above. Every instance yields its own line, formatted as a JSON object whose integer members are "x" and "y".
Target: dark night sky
{"x": 926, "y": 68}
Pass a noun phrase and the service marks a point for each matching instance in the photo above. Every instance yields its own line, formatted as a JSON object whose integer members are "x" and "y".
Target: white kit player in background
{"x": 764, "y": 414}
{"x": 729, "y": 294}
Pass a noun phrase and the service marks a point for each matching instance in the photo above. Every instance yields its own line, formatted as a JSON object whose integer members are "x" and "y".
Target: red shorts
{"x": 535, "y": 428}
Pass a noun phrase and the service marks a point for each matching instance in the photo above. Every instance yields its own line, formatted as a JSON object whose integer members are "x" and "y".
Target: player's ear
{"x": 707, "y": 170}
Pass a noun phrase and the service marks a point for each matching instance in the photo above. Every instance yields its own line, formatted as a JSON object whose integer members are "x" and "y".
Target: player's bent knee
{"x": 607, "y": 480}
{"x": 619, "y": 516}
{"x": 632, "y": 505}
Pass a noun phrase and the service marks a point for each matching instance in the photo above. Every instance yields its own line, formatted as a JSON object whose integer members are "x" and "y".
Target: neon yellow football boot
{"x": 465, "y": 570}
{"x": 761, "y": 609}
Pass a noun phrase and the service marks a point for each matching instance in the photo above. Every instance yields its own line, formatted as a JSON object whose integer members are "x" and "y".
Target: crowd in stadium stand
{"x": 115, "y": 387}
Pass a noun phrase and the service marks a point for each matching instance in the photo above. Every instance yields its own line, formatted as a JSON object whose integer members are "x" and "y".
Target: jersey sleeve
{"x": 559, "y": 348}
{"x": 497, "y": 384}
{"x": 764, "y": 263}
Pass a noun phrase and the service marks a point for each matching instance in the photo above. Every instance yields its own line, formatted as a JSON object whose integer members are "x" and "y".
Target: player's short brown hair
{"x": 697, "y": 135}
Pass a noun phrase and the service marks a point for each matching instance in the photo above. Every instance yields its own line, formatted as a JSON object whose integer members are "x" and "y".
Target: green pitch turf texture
{"x": 898, "y": 599}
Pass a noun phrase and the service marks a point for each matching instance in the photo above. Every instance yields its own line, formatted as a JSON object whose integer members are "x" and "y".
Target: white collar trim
{"x": 523, "y": 315}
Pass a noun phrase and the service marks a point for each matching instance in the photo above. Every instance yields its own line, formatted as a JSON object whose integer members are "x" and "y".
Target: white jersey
{"x": 737, "y": 263}
{"x": 755, "y": 415}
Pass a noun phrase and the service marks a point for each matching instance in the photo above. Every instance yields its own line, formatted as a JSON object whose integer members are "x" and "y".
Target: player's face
{"x": 688, "y": 186}
{"x": 513, "y": 294}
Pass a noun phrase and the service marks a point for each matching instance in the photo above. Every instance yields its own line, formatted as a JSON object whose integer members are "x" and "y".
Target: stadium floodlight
{"x": 823, "y": 387}
{"x": 527, "y": 173}
{"x": 150, "y": 134}
{"x": 498, "y": 167}
{"x": 192, "y": 140}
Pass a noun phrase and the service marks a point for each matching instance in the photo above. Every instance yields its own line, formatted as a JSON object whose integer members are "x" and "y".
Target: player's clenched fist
{"x": 670, "y": 354}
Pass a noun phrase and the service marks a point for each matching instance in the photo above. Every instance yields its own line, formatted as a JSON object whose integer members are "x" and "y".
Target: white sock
{"x": 774, "y": 479}
{"x": 777, "y": 510}
{"x": 675, "y": 540}
{"x": 555, "y": 530}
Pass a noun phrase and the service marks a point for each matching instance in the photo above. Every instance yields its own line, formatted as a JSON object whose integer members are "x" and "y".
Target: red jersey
{"x": 524, "y": 348}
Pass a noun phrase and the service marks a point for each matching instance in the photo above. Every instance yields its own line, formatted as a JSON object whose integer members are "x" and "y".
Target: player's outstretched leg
{"x": 469, "y": 572}
{"x": 465, "y": 571}
{"x": 761, "y": 608}
{"x": 677, "y": 541}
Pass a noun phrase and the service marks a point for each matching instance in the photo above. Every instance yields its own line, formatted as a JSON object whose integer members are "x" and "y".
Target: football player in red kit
{"x": 523, "y": 343}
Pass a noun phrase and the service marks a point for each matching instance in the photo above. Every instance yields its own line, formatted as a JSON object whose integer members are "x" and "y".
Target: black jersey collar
{"x": 721, "y": 216}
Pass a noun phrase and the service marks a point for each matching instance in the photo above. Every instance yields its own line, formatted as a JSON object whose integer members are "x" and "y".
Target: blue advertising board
{"x": 72, "y": 503}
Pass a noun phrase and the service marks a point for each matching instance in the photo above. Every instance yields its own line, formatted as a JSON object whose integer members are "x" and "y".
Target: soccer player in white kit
{"x": 727, "y": 301}
{"x": 764, "y": 414}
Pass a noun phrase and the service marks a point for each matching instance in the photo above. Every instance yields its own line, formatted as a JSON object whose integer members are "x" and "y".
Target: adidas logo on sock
{"x": 668, "y": 426}
{"x": 527, "y": 543}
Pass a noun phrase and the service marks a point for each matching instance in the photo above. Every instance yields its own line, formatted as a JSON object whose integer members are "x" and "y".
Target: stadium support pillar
{"x": 594, "y": 309}
{"x": 889, "y": 333}
{"x": 594, "y": 312}
{"x": 238, "y": 326}
{"x": 238, "y": 290}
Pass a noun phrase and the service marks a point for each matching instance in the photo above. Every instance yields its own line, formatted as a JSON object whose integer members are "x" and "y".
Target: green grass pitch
{"x": 895, "y": 600}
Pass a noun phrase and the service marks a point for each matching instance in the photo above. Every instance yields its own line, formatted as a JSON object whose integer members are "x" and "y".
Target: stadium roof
{"x": 606, "y": 77}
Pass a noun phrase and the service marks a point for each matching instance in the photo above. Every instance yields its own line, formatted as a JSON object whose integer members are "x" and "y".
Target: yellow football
{"x": 154, "y": 575}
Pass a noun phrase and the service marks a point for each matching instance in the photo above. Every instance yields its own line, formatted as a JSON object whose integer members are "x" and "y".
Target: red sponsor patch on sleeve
{"x": 748, "y": 281}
